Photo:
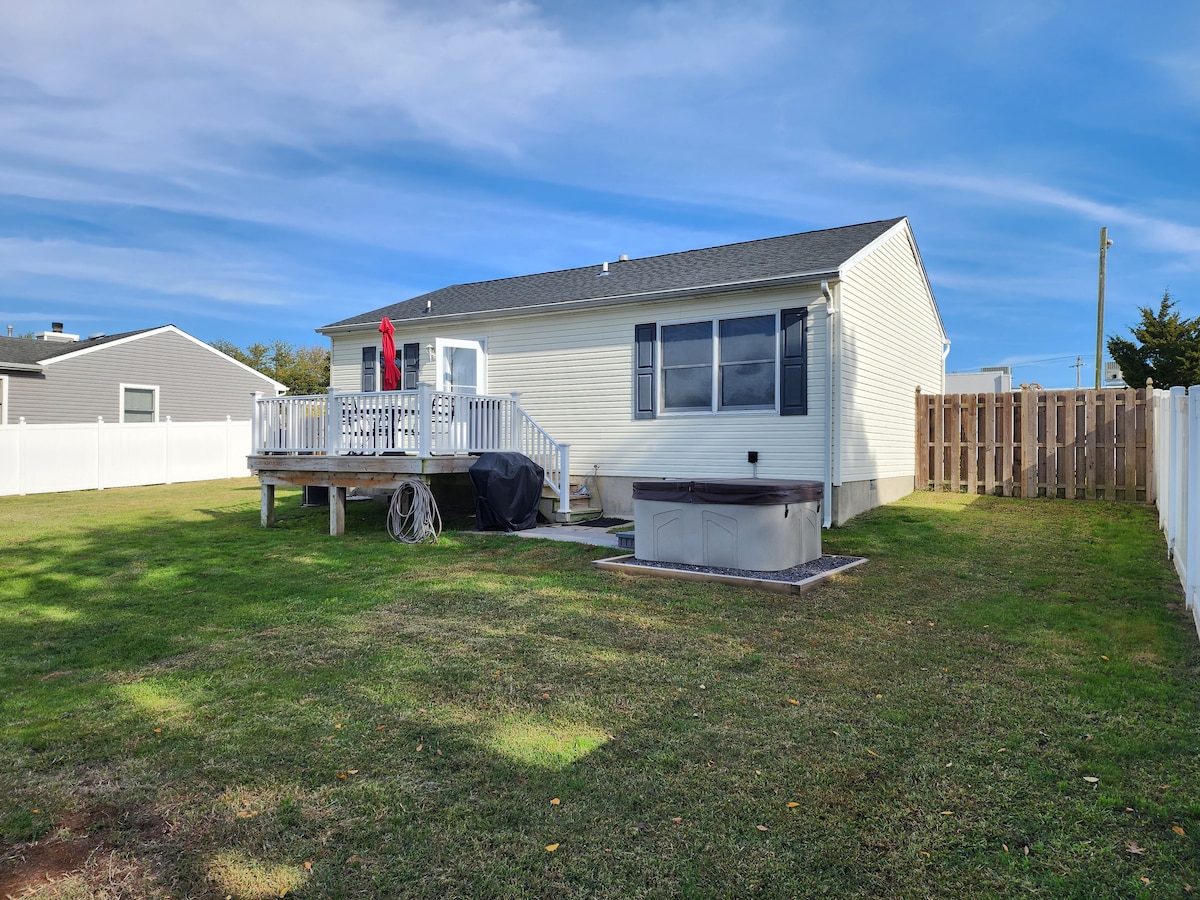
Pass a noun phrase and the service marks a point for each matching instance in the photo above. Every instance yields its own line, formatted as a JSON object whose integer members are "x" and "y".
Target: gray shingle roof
{"x": 811, "y": 252}
{"x": 29, "y": 352}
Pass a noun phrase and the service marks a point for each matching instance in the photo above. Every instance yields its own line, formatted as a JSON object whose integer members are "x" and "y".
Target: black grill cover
{"x": 507, "y": 487}
{"x": 743, "y": 491}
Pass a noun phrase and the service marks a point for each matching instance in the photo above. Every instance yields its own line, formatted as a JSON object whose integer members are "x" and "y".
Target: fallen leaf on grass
{"x": 762, "y": 827}
{"x": 792, "y": 804}
{"x": 337, "y": 724}
{"x": 946, "y": 812}
{"x": 793, "y": 702}
{"x": 1134, "y": 848}
{"x": 352, "y": 771}
{"x": 1091, "y": 779}
{"x": 873, "y": 753}
{"x": 1103, "y": 657}
{"x": 1088, "y": 737}
{"x": 678, "y": 820}
{"x": 545, "y": 696}
{"x": 555, "y": 802}
{"x": 307, "y": 866}
{"x": 1145, "y": 880}
{"x": 341, "y": 774}
{"x": 1179, "y": 831}
{"x": 354, "y": 859}
{"x": 158, "y": 731}
{"x": 926, "y": 853}
{"x": 420, "y": 747}
{"x": 1005, "y": 846}
{"x": 380, "y": 727}
{"x": 550, "y": 848}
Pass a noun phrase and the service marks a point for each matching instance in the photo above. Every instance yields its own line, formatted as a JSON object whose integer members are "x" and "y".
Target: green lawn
{"x": 1003, "y": 701}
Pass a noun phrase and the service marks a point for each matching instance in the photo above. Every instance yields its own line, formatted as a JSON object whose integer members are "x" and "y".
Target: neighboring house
{"x": 789, "y": 357}
{"x": 138, "y": 376}
{"x": 988, "y": 380}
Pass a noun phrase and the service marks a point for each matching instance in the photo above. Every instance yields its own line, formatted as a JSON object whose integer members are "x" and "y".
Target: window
{"x": 746, "y": 363}
{"x": 139, "y": 403}
{"x": 368, "y": 369}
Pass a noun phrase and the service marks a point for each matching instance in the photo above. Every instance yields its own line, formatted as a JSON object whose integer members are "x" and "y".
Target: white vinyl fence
{"x": 40, "y": 459}
{"x": 1177, "y": 478}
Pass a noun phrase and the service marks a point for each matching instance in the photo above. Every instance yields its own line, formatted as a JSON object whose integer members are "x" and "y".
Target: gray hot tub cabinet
{"x": 736, "y": 523}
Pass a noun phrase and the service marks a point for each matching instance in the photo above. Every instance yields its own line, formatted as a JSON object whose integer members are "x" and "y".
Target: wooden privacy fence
{"x": 1093, "y": 445}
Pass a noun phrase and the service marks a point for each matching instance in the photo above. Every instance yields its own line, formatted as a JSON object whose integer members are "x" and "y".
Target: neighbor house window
{"x": 740, "y": 363}
{"x": 139, "y": 403}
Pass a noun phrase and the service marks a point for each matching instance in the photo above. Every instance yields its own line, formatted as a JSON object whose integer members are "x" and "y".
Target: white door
{"x": 461, "y": 369}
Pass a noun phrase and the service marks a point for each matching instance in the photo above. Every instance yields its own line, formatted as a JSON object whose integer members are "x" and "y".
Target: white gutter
{"x": 830, "y": 435}
{"x": 752, "y": 284}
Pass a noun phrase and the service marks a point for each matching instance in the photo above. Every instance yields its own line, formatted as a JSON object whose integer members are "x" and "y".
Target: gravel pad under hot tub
{"x": 795, "y": 573}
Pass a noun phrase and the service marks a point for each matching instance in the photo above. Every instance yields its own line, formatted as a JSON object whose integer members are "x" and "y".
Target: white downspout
{"x": 945, "y": 353}
{"x": 830, "y": 436}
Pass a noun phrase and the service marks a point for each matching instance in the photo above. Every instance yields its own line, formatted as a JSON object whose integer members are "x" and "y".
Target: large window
{"x": 139, "y": 403}
{"x": 719, "y": 364}
{"x": 743, "y": 363}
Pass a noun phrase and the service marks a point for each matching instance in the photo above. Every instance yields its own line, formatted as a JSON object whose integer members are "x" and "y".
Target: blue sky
{"x": 254, "y": 170}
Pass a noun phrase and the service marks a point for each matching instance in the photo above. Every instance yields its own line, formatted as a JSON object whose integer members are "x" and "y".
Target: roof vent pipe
{"x": 10, "y": 331}
{"x": 624, "y": 257}
{"x": 428, "y": 306}
{"x": 56, "y": 327}
{"x": 604, "y": 268}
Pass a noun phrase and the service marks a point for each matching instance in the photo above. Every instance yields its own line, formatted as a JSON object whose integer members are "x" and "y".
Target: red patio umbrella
{"x": 391, "y": 375}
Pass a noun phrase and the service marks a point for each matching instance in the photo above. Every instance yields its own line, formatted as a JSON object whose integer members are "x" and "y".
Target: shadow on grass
{"x": 402, "y": 718}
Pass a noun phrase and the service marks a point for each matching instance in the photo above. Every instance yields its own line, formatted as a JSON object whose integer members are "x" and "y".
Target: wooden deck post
{"x": 337, "y": 510}
{"x": 267, "y": 514}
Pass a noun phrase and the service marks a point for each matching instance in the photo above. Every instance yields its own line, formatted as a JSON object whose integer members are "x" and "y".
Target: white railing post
{"x": 515, "y": 424}
{"x": 333, "y": 423}
{"x": 424, "y": 420}
{"x": 256, "y": 429}
{"x": 564, "y": 478}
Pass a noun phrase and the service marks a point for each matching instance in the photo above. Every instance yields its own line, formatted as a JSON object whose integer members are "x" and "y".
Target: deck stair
{"x": 580, "y": 509}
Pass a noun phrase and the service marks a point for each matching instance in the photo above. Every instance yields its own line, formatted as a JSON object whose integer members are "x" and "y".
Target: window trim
{"x": 3, "y": 399}
{"x": 153, "y": 388}
{"x": 714, "y": 408}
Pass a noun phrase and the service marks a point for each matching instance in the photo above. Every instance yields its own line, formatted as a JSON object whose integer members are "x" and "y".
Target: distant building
{"x": 988, "y": 380}
{"x": 1112, "y": 375}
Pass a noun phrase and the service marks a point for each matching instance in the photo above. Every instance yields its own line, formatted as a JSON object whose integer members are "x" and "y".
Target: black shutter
{"x": 644, "y": 339}
{"x": 793, "y": 362}
{"x": 368, "y": 369}
{"x": 412, "y": 366}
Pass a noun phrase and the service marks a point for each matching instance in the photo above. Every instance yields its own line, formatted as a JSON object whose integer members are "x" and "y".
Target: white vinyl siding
{"x": 574, "y": 371}
{"x": 891, "y": 344}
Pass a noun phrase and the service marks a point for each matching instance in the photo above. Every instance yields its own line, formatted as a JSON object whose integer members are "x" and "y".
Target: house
{"x": 137, "y": 376}
{"x": 988, "y": 380}
{"x": 787, "y": 357}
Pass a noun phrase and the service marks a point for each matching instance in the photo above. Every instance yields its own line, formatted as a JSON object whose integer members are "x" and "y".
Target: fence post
{"x": 256, "y": 421}
{"x": 1029, "y": 446}
{"x": 1192, "y": 503}
{"x": 99, "y": 450}
{"x": 1177, "y": 470}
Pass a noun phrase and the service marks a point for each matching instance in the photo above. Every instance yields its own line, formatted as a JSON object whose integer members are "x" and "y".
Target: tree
{"x": 305, "y": 370}
{"x": 1166, "y": 347}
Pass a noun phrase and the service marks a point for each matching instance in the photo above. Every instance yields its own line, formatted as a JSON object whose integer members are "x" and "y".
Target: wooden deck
{"x": 343, "y": 473}
{"x": 380, "y": 439}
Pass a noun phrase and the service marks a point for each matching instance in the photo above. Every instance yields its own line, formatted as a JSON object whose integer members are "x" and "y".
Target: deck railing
{"x": 423, "y": 422}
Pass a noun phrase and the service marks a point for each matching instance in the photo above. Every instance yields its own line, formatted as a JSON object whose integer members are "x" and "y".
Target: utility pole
{"x": 1078, "y": 365}
{"x": 1105, "y": 243}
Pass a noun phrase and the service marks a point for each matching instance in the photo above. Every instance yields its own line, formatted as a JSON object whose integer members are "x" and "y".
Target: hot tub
{"x": 758, "y": 524}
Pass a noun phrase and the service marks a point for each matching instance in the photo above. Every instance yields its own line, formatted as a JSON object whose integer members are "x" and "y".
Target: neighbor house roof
{"x": 30, "y": 355}
{"x": 805, "y": 256}
{"x": 26, "y": 353}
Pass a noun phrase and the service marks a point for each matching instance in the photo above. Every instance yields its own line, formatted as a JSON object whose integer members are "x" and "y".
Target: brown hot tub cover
{"x": 742, "y": 491}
